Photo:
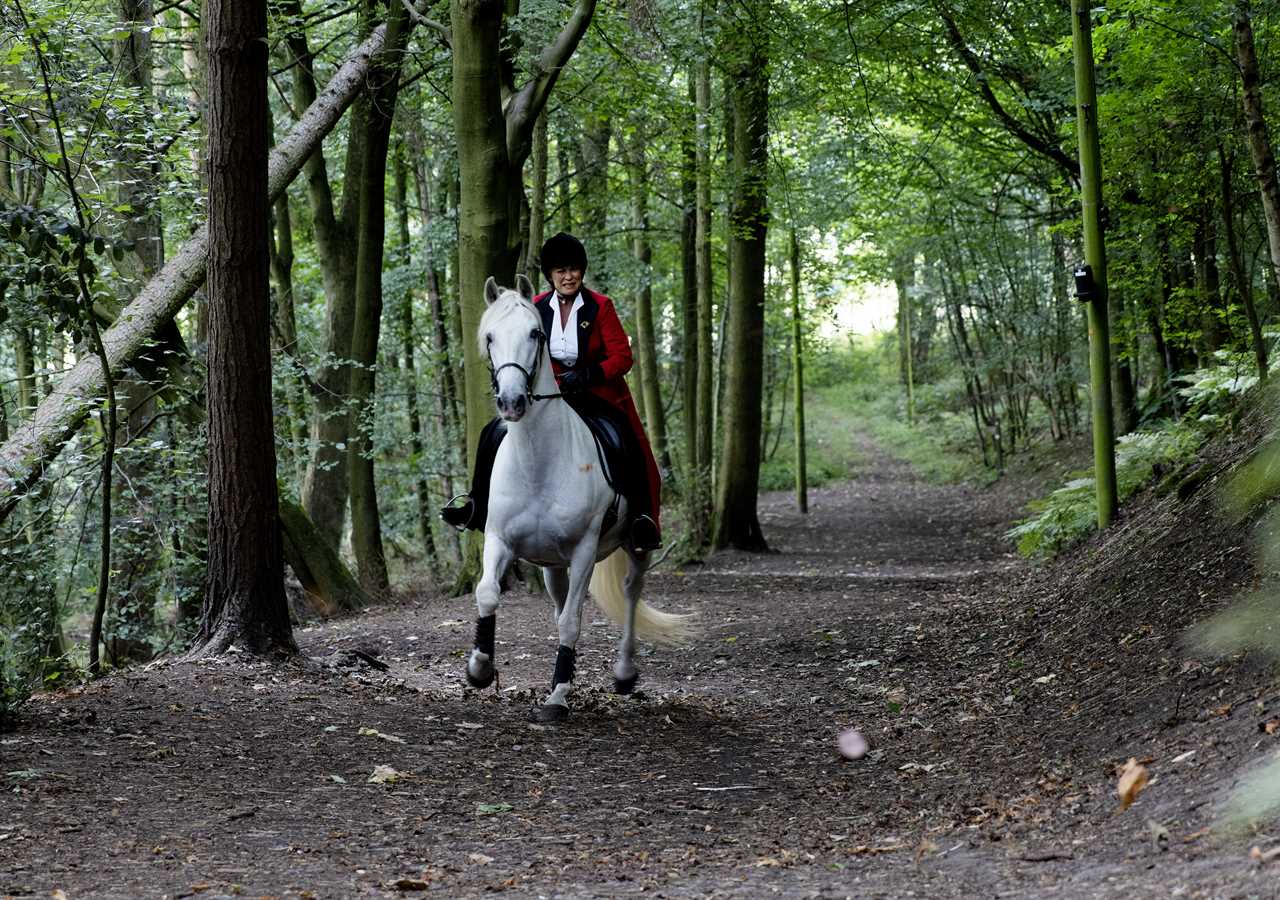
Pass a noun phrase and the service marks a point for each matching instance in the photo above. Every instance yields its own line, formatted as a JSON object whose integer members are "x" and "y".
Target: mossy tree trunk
{"x": 738, "y": 477}
{"x": 493, "y": 140}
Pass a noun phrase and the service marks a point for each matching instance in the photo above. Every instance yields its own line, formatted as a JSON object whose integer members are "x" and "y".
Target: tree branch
{"x": 523, "y": 109}
{"x": 419, "y": 19}
{"x": 1041, "y": 146}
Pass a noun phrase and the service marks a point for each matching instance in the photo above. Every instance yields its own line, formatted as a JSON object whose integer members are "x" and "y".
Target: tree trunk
{"x": 1264, "y": 161}
{"x": 1241, "y": 282}
{"x": 409, "y": 346}
{"x": 31, "y": 447}
{"x": 1104, "y": 456}
{"x": 736, "y": 522}
{"x": 593, "y": 189}
{"x": 646, "y": 348}
{"x": 328, "y": 583}
{"x": 797, "y": 365}
{"x": 537, "y": 201}
{"x": 689, "y": 320}
{"x": 705, "y": 372}
{"x": 325, "y": 487}
{"x": 493, "y": 142}
{"x": 366, "y": 519}
{"x": 903, "y": 277}
{"x": 244, "y": 598}
{"x": 137, "y": 547}
{"x": 286, "y": 330}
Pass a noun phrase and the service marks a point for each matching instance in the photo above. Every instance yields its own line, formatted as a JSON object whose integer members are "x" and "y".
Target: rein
{"x": 528, "y": 374}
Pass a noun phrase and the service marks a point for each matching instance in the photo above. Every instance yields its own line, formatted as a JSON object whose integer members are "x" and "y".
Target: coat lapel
{"x": 586, "y": 325}
{"x": 543, "y": 306}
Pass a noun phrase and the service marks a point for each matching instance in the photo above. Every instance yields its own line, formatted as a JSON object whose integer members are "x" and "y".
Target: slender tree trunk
{"x": 1264, "y": 161}
{"x": 244, "y": 598}
{"x": 689, "y": 321}
{"x": 1240, "y": 280}
{"x": 903, "y": 277}
{"x": 736, "y": 522}
{"x": 366, "y": 519}
{"x": 797, "y": 365}
{"x": 325, "y": 488}
{"x": 564, "y": 173}
{"x": 1104, "y": 458}
{"x": 538, "y": 200}
{"x": 137, "y": 547}
{"x": 411, "y": 371}
{"x": 593, "y": 190}
{"x": 705, "y": 372}
{"x": 286, "y": 330}
{"x": 646, "y": 338}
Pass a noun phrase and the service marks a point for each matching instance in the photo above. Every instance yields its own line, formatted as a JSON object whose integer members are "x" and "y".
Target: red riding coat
{"x": 605, "y": 350}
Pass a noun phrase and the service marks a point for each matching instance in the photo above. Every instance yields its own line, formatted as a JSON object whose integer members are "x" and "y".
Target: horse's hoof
{"x": 482, "y": 681}
{"x": 625, "y": 686}
{"x": 550, "y": 714}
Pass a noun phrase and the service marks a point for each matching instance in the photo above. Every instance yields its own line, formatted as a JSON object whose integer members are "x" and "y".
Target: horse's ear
{"x": 524, "y": 286}
{"x": 491, "y": 290}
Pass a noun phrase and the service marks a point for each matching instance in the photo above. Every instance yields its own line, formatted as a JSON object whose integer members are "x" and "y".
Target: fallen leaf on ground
{"x": 865, "y": 850}
{"x": 373, "y": 732}
{"x": 480, "y": 859}
{"x": 1271, "y": 726}
{"x": 1224, "y": 710}
{"x": 384, "y": 775}
{"x": 1263, "y": 856}
{"x": 492, "y": 809}
{"x": 1133, "y": 778}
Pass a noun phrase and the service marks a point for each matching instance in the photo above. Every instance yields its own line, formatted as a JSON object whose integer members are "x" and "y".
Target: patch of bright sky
{"x": 864, "y": 306}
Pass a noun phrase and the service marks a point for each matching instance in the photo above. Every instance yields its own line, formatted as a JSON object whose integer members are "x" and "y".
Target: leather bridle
{"x": 539, "y": 336}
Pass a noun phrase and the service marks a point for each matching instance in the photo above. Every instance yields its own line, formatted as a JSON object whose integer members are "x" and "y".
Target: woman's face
{"x": 566, "y": 281}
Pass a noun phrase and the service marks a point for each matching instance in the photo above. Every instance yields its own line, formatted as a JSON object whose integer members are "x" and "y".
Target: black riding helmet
{"x": 562, "y": 250}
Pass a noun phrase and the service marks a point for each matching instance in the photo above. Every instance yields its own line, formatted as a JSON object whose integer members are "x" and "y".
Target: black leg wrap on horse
{"x": 484, "y": 633}
{"x": 565, "y": 659}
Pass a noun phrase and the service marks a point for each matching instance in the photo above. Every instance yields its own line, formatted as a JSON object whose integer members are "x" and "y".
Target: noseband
{"x": 540, "y": 337}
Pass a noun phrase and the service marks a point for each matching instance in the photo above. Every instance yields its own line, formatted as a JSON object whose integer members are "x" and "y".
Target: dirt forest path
{"x": 885, "y": 609}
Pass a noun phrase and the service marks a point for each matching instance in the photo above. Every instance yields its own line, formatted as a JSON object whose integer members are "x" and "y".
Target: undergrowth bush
{"x": 1071, "y": 511}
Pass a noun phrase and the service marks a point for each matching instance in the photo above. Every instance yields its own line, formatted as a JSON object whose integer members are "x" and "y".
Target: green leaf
{"x": 492, "y": 809}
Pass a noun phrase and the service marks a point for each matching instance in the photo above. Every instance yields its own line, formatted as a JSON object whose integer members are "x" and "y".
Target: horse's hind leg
{"x": 569, "y": 625}
{"x": 497, "y": 556}
{"x": 625, "y": 674}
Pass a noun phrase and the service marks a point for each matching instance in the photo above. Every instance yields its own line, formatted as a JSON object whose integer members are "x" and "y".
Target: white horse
{"x": 547, "y": 503}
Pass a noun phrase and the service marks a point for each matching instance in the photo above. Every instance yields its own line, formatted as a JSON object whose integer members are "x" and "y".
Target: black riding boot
{"x": 474, "y": 511}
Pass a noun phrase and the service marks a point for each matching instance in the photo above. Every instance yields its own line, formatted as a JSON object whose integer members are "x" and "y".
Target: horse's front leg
{"x": 569, "y": 625}
{"x": 497, "y": 556}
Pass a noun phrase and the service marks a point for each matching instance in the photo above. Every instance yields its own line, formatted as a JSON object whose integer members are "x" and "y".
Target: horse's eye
{"x": 536, "y": 334}
{"x": 488, "y": 339}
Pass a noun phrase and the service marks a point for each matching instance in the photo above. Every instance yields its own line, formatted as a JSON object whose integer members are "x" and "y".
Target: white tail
{"x": 607, "y": 581}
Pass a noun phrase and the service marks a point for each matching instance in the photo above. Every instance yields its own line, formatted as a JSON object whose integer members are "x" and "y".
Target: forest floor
{"x": 997, "y": 697}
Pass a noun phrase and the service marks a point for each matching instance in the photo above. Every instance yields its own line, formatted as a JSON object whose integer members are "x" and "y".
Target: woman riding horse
{"x": 590, "y": 354}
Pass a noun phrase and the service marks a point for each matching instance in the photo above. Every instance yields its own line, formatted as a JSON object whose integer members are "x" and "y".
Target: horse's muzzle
{"x": 512, "y": 409}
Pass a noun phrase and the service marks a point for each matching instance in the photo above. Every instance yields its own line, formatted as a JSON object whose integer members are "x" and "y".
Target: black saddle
{"x": 613, "y": 438}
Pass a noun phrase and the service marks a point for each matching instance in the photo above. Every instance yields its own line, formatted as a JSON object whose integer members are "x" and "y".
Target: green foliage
{"x": 1071, "y": 512}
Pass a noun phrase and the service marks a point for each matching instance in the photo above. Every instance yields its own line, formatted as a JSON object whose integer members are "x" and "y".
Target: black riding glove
{"x": 574, "y": 381}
